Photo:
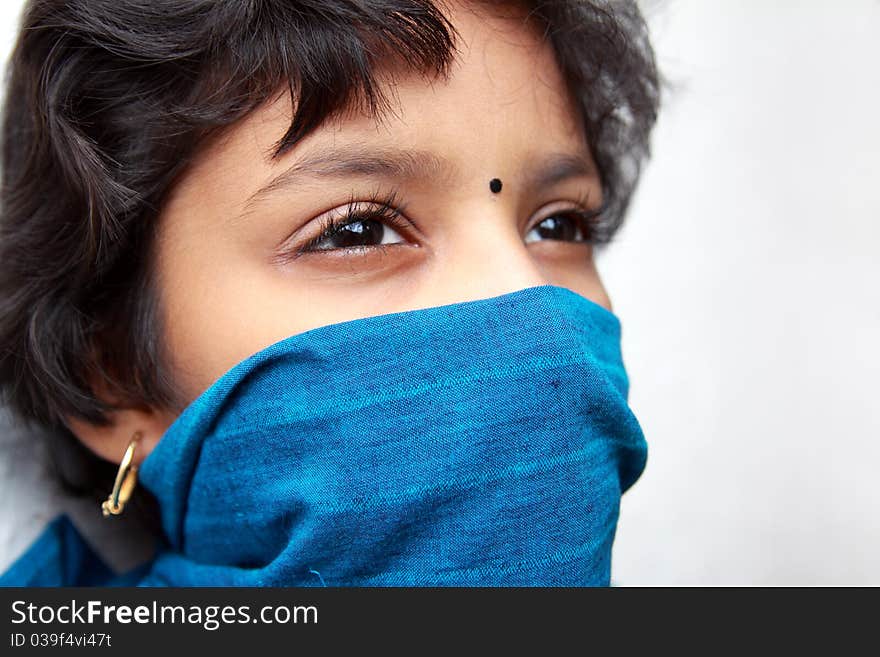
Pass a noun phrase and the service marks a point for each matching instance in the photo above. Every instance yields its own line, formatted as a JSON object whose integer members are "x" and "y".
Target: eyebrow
{"x": 408, "y": 165}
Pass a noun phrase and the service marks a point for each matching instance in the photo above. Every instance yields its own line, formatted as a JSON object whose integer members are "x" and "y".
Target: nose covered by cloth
{"x": 484, "y": 442}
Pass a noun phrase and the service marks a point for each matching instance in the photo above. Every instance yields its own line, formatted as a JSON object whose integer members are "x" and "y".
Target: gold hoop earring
{"x": 126, "y": 478}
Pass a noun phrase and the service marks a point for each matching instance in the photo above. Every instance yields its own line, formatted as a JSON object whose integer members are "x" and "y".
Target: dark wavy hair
{"x": 106, "y": 103}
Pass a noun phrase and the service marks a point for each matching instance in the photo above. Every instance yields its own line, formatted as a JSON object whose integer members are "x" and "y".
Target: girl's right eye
{"x": 360, "y": 228}
{"x": 358, "y": 233}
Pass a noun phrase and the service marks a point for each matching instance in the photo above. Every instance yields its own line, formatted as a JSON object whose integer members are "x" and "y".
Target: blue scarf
{"x": 483, "y": 443}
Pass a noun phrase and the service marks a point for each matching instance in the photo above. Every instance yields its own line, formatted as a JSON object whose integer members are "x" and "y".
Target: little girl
{"x": 313, "y": 283}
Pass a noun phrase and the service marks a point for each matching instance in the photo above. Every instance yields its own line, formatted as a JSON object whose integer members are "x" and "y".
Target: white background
{"x": 747, "y": 281}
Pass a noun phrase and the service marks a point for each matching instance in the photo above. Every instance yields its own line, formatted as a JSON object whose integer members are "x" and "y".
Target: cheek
{"x": 217, "y": 309}
{"x": 571, "y": 266}
{"x": 220, "y": 305}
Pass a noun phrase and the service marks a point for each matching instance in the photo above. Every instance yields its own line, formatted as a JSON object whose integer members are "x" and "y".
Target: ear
{"x": 111, "y": 441}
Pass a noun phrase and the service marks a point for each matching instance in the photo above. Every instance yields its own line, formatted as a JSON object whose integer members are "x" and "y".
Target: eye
{"x": 360, "y": 227}
{"x": 366, "y": 232}
{"x": 569, "y": 226}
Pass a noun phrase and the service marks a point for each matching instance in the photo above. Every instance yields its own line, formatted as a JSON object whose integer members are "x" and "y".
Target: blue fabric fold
{"x": 485, "y": 442}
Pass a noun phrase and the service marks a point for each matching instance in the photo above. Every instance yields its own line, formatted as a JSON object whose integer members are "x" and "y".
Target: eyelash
{"x": 589, "y": 220}
{"x": 388, "y": 210}
{"x": 384, "y": 208}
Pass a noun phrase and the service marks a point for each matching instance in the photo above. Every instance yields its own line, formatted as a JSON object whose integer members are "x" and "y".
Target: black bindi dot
{"x": 495, "y": 185}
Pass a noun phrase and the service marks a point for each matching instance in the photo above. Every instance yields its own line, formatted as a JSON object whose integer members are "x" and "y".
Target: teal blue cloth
{"x": 485, "y": 442}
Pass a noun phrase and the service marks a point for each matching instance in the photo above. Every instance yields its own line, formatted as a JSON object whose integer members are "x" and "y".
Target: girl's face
{"x": 240, "y": 258}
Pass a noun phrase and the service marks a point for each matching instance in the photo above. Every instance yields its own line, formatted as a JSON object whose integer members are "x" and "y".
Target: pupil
{"x": 555, "y": 228}
{"x": 366, "y": 232}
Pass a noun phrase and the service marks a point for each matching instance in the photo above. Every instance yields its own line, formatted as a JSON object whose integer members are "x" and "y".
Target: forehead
{"x": 504, "y": 103}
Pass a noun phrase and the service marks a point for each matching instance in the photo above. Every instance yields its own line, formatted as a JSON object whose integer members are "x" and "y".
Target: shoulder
{"x": 59, "y": 557}
{"x": 47, "y": 536}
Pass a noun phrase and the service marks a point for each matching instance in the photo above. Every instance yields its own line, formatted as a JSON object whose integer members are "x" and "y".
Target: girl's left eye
{"x": 562, "y": 226}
